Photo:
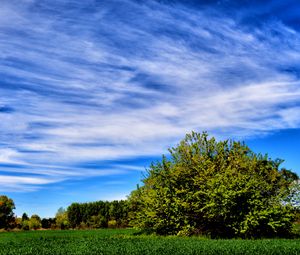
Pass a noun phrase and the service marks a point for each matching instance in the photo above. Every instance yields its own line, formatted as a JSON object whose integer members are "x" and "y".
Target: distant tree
{"x": 48, "y": 223}
{"x": 97, "y": 221}
{"x": 36, "y": 217}
{"x": 18, "y": 222}
{"x": 216, "y": 188}
{"x": 118, "y": 211}
{"x": 98, "y": 214}
{"x": 35, "y": 222}
{"x": 25, "y": 224}
{"x": 25, "y": 217}
{"x": 6, "y": 211}
{"x": 74, "y": 212}
{"x": 62, "y": 221}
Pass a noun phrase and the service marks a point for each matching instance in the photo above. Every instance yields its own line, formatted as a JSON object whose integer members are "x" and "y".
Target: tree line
{"x": 100, "y": 214}
{"x": 204, "y": 186}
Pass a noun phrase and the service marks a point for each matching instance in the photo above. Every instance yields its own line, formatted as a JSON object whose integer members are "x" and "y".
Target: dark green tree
{"x": 48, "y": 223}
{"x": 98, "y": 214}
{"x": 75, "y": 214}
{"x": 6, "y": 212}
{"x": 221, "y": 189}
{"x": 25, "y": 217}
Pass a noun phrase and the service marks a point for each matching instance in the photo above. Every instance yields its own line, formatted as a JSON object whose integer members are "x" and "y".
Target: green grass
{"x": 124, "y": 241}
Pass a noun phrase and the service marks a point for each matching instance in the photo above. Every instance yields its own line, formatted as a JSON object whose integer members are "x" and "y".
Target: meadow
{"x": 128, "y": 241}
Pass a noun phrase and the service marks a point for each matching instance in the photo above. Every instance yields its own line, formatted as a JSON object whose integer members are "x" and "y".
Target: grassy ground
{"x": 109, "y": 241}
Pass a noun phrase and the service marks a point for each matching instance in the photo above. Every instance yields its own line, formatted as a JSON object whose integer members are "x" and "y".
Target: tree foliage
{"x": 25, "y": 217}
{"x": 215, "y": 188}
{"x": 62, "y": 221}
{"x": 35, "y": 222}
{"x": 48, "y": 223}
{"x": 6, "y": 211}
{"x": 98, "y": 214}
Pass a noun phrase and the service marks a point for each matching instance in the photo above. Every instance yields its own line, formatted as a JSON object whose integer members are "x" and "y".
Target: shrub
{"x": 25, "y": 225}
{"x": 34, "y": 224}
{"x": 112, "y": 223}
{"x": 220, "y": 189}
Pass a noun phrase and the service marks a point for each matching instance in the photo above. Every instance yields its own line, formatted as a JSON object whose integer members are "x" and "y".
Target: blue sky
{"x": 92, "y": 91}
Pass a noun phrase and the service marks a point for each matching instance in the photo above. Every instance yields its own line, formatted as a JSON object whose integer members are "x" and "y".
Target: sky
{"x": 91, "y": 92}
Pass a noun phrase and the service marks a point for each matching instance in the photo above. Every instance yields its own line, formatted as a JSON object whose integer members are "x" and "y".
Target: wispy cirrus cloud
{"x": 92, "y": 81}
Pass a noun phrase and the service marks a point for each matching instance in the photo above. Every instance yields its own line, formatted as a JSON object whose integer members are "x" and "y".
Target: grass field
{"x": 124, "y": 241}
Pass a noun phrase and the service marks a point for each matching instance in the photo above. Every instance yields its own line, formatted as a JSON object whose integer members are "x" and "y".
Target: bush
{"x": 220, "y": 189}
{"x": 97, "y": 221}
{"x": 25, "y": 225}
{"x": 82, "y": 225}
{"x": 34, "y": 224}
{"x": 61, "y": 219}
{"x": 112, "y": 224}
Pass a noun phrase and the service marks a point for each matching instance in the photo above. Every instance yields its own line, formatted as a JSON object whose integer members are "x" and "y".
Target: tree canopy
{"x": 98, "y": 214}
{"x": 6, "y": 211}
{"x": 217, "y": 188}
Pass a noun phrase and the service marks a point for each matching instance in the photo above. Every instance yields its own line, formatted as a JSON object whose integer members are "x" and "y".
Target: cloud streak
{"x": 101, "y": 81}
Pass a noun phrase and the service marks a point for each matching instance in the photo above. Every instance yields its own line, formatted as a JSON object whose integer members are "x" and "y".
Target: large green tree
{"x": 216, "y": 188}
{"x": 6, "y": 211}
